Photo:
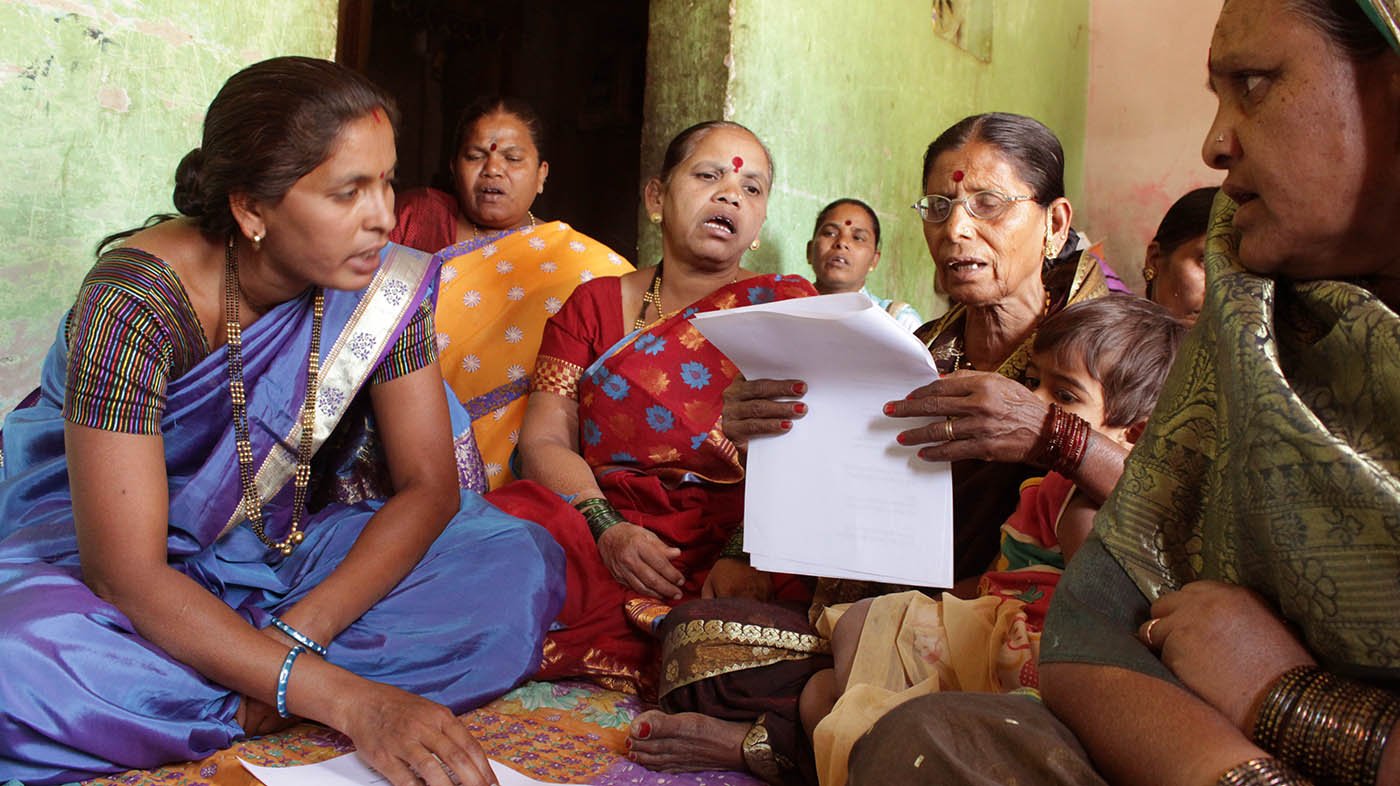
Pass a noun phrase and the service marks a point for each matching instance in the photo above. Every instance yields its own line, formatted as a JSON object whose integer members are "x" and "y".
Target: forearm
{"x": 1100, "y": 469}
{"x": 196, "y": 628}
{"x": 1139, "y": 729}
{"x": 559, "y": 467}
{"x": 390, "y": 546}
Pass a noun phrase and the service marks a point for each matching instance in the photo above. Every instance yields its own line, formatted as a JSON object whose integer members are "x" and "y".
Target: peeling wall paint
{"x": 848, "y": 96}
{"x": 101, "y": 100}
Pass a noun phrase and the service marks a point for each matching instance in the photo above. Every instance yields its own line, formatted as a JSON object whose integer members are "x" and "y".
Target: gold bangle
{"x": 1263, "y": 771}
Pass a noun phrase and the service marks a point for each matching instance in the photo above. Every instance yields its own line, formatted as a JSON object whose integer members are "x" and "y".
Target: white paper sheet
{"x": 350, "y": 770}
{"x": 837, "y": 496}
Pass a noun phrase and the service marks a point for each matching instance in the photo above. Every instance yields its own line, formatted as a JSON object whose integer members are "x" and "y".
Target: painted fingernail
{"x": 643, "y": 730}
{"x": 899, "y": 438}
{"x": 799, "y": 408}
{"x": 785, "y": 425}
{"x": 799, "y": 388}
{"x": 628, "y": 742}
{"x": 889, "y": 408}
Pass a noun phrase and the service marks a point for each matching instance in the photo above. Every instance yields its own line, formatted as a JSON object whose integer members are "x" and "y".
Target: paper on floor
{"x": 350, "y": 770}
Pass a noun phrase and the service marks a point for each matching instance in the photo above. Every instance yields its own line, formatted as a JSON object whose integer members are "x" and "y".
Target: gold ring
{"x": 948, "y": 429}
{"x": 1147, "y": 631}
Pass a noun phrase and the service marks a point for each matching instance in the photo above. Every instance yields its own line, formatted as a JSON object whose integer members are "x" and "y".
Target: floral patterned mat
{"x": 564, "y": 732}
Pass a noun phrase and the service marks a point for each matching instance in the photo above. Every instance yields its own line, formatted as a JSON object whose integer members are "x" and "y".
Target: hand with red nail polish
{"x": 761, "y": 407}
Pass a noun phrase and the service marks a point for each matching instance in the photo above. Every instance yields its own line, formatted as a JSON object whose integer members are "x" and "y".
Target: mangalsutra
{"x": 252, "y": 503}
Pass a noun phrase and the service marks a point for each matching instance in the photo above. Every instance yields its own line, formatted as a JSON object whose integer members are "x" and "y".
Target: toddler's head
{"x": 1105, "y": 361}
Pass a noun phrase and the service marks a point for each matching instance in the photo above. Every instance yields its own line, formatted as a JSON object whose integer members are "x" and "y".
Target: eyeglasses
{"x": 986, "y": 205}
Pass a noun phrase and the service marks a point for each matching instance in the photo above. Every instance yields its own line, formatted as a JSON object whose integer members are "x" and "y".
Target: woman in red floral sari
{"x": 623, "y": 417}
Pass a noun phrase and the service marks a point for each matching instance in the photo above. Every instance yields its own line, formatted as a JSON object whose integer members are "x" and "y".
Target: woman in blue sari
{"x": 164, "y": 586}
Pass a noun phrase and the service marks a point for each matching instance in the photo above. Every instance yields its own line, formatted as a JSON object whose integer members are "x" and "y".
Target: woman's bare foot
{"x": 686, "y": 742}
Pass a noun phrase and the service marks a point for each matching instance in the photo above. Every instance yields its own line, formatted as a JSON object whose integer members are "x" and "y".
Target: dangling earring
{"x": 1051, "y": 251}
{"x": 1149, "y": 273}
{"x": 257, "y": 241}
{"x": 656, "y": 218}
{"x": 754, "y": 245}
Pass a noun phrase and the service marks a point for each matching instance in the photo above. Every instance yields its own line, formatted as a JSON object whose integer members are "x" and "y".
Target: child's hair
{"x": 1127, "y": 343}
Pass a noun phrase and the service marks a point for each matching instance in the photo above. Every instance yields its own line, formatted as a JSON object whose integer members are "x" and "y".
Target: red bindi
{"x": 848, "y": 222}
{"x": 957, "y": 175}
{"x": 493, "y": 147}
{"x": 737, "y": 162}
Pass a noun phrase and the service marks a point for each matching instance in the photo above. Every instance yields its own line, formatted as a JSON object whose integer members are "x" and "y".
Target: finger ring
{"x": 948, "y": 430}
{"x": 1147, "y": 631}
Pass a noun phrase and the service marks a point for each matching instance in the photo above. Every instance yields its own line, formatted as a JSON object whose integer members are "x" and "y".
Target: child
{"x": 1103, "y": 360}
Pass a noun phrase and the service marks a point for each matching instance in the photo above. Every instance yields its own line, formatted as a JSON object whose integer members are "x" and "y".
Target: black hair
{"x": 492, "y": 105}
{"x": 869, "y": 211}
{"x": 683, "y": 144}
{"x": 1032, "y": 150}
{"x": 1345, "y": 24}
{"x": 1127, "y": 344}
{"x": 269, "y": 125}
{"x": 1187, "y": 219}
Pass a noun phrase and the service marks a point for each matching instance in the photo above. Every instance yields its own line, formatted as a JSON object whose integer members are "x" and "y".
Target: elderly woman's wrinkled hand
{"x": 639, "y": 559}
{"x": 761, "y": 407}
{"x": 1226, "y": 643}
{"x": 411, "y": 740}
{"x": 990, "y": 417}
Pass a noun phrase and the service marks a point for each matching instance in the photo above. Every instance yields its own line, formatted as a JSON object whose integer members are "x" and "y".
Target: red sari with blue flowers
{"x": 649, "y": 405}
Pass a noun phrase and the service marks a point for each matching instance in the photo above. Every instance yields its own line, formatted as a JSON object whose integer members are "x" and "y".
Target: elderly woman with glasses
{"x": 997, "y": 224}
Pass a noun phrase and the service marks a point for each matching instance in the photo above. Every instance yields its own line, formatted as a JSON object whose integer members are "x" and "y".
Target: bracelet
{"x": 1331, "y": 728}
{"x": 299, "y": 637}
{"x": 600, "y": 515}
{"x": 283, "y": 676}
{"x": 1264, "y": 771}
{"x": 1065, "y": 439}
{"x": 734, "y": 547}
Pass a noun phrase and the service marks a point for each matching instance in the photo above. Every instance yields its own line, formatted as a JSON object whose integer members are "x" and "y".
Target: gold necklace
{"x": 527, "y": 213}
{"x": 252, "y": 503}
{"x": 652, "y": 296}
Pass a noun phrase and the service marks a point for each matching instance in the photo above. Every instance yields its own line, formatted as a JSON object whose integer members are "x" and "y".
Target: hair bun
{"x": 189, "y": 187}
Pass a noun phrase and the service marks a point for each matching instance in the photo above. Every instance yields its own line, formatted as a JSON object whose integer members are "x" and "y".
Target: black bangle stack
{"x": 734, "y": 547}
{"x": 600, "y": 515}
{"x": 1265, "y": 771}
{"x": 1331, "y": 728}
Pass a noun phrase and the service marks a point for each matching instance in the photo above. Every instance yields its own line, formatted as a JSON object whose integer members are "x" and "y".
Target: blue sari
{"x": 83, "y": 694}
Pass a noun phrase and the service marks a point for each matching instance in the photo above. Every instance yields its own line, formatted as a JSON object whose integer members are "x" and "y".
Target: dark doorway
{"x": 581, "y": 65}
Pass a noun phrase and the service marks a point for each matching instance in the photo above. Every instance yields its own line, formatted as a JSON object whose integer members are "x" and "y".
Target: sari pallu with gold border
{"x": 497, "y": 291}
{"x": 1272, "y": 461}
{"x": 649, "y": 410}
{"x": 84, "y": 694}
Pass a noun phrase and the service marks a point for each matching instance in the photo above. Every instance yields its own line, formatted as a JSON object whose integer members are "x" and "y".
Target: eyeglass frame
{"x": 1008, "y": 199}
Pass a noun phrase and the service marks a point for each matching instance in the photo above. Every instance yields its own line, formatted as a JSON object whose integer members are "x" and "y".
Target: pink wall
{"x": 1148, "y": 113}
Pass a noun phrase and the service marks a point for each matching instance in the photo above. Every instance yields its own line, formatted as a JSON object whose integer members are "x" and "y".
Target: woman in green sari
{"x": 1235, "y": 619}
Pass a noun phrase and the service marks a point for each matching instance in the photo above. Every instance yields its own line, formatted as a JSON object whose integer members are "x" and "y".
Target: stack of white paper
{"x": 837, "y": 496}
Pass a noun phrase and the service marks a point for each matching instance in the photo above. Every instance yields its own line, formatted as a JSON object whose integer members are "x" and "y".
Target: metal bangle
{"x": 299, "y": 637}
{"x": 283, "y": 676}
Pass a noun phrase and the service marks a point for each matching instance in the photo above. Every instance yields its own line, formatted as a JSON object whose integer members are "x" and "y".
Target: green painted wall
{"x": 101, "y": 99}
{"x": 848, "y": 96}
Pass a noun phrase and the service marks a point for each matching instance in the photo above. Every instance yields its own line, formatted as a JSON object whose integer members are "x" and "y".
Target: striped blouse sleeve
{"x": 416, "y": 348}
{"x": 119, "y": 362}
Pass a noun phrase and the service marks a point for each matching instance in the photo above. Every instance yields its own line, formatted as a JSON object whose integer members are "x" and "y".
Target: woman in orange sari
{"x": 504, "y": 272}
{"x": 624, "y": 416}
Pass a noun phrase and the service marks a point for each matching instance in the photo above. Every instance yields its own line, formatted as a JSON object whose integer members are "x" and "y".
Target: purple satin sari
{"x": 82, "y": 694}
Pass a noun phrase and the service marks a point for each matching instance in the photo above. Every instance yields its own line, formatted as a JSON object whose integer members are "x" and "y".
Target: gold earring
{"x": 1051, "y": 251}
{"x": 656, "y": 218}
{"x": 754, "y": 245}
{"x": 1148, "y": 274}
